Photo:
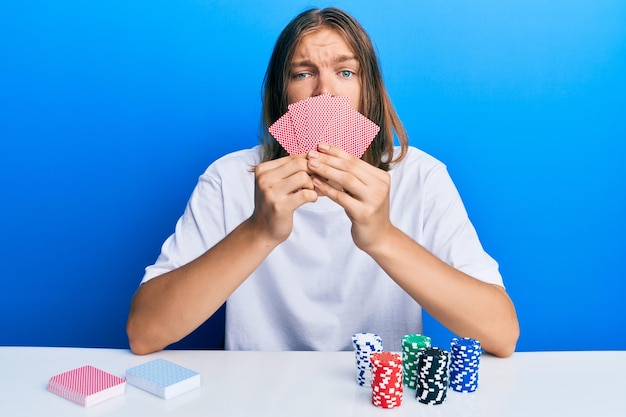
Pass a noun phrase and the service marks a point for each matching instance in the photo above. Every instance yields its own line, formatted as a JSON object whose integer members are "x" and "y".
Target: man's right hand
{"x": 281, "y": 186}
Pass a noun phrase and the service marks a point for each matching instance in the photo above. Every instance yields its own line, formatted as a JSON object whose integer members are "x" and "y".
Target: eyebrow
{"x": 337, "y": 60}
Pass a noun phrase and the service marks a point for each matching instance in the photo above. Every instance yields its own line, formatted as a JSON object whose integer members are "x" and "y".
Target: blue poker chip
{"x": 464, "y": 364}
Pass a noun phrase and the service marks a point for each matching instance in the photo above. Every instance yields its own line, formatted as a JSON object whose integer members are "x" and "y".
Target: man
{"x": 309, "y": 249}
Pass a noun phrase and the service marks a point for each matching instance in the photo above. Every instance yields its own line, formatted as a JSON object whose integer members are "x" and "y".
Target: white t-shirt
{"x": 317, "y": 288}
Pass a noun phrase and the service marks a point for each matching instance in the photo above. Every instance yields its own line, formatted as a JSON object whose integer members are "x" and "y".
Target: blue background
{"x": 110, "y": 110}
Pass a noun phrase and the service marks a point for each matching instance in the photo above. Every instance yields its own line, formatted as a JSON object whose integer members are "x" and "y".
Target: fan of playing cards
{"x": 324, "y": 118}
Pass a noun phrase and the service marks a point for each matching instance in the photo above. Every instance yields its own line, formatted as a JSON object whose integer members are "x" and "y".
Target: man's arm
{"x": 169, "y": 307}
{"x": 465, "y": 305}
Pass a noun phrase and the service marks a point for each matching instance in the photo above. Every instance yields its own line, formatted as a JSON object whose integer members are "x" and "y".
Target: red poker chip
{"x": 387, "y": 390}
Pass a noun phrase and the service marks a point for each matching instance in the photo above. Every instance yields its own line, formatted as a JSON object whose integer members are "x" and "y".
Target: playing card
{"x": 86, "y": 385}
{"x": 328, "y": 131}
{"x": 351, "y": 131}
{"x": 324, "y": 118}
{"x": 322, "y": 112}
{"x": 283, "y": 131}
{"x": 299, "y": 114}
{"x": 163, "y": 378}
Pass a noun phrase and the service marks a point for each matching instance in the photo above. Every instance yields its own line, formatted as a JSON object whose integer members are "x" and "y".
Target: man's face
{"x": 324, "y": 63}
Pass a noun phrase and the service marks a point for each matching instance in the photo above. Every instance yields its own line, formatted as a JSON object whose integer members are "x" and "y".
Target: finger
{"x": 339, "y": 159}
{"x": 282, "y": 168}
{"x": 329, "y": 149}
{"x": 277, "y": 185}
{"x": 338, "y": 195}
{"x": 341, "y": 170}
{"x": 285, "y": 184}
{"x": 286, "y": 165}
{"x": 297, "y": 182}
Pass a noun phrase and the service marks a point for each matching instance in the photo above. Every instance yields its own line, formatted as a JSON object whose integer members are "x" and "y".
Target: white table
{"x": 320, "y": 384}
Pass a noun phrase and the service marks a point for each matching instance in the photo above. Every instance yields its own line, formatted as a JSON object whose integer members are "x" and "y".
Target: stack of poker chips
{"x": 464, "y": 363}
{"x": 412, "y": 344}
{"x": 386, "y": 379}
{"x": 364, "y": 345}
{"x": 432, "y": 370}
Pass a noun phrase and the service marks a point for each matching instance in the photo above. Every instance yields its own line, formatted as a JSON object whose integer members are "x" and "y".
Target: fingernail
{"x": 314, "y": 154}
{"x": 323, "y": 146}
{"x": 314, "y": 163}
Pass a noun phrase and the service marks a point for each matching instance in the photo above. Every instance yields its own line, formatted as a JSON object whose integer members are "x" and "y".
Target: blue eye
{"x": 300, "y": 75}
{"x": 346, "y": 73}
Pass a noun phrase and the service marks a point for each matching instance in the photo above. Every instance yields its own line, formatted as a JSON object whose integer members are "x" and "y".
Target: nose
{"x": 323, "y": 85}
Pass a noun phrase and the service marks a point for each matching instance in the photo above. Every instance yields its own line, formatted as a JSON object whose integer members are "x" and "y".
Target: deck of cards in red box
{"x": 87, "y": 385}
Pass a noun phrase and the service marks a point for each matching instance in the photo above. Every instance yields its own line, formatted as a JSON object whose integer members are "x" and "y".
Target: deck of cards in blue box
{"x": 163, "y": 378}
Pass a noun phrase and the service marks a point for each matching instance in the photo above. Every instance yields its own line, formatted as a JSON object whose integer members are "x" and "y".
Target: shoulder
{"x": 249, "y": 157}
{"x": 239, "y": 162}
{"x": 417, "y": 163}
{"x": 420, "y": 174}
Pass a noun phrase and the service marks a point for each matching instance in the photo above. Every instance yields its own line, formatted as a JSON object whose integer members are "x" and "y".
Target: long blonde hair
{"x": 375, "y": 103}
